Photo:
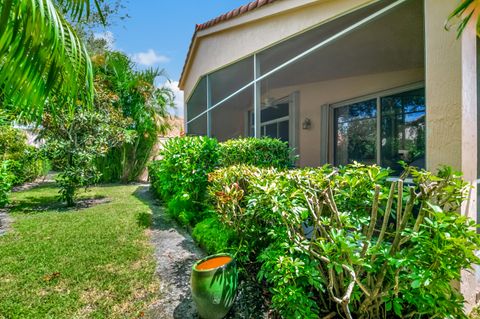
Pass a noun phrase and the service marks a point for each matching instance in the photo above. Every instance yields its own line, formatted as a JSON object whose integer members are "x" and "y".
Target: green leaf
{"x": 43, "y": 59}
{"x": 435, "y": 208}
{"x": 397, "y": 307}
{"x": 416, "y": 284}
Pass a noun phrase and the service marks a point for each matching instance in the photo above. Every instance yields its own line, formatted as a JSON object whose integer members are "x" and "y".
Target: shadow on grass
{"x": 41, "y": 203}
{"x": 158, "y": 218}
{"x": 144, "y": 220}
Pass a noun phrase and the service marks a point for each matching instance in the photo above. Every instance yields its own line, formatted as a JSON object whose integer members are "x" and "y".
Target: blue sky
{"x": 158, "y": 32}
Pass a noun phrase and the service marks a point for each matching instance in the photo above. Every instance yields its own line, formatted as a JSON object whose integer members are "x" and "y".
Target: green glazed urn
{"x": 214, "y": 282}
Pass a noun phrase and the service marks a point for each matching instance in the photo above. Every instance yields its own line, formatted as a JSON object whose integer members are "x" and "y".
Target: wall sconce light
{"x": 307, "y": 124}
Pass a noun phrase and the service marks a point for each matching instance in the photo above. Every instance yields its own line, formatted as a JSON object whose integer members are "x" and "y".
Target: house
{"x": 342, "y": 81}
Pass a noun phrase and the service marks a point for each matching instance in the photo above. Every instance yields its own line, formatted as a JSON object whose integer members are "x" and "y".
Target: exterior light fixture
{"x": 307, "y": 124}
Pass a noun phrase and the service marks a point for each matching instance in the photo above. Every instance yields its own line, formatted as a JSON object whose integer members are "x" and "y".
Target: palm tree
{"x": 41, "y": 57}
{"x": 465, "y": 11}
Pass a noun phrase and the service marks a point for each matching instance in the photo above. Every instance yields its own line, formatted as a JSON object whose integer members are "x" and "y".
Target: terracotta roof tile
{"x": 224, "y": 17}
{"x": 234, "y": 13}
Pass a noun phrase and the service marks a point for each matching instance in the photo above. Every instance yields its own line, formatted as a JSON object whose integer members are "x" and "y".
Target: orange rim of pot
{"x": 194, "y": 267}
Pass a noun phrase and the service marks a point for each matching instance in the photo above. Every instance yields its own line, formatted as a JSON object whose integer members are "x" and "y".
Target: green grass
{"x": 95, "y": 262}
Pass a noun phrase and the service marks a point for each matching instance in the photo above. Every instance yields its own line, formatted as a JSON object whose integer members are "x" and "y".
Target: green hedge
{"x": 213, "y": 236}
{"x": 353, "y": 257}
{"x": 264, "y": 152}
{"x": 180, "y": 178}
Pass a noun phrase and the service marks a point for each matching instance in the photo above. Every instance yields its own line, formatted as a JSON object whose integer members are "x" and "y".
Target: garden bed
{"x": 349, "y": 241}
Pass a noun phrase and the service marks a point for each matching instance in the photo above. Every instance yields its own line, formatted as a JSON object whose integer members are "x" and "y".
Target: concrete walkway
{"x": 176, "y": 252}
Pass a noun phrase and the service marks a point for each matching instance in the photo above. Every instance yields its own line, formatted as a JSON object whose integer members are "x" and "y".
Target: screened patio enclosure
{"x": 349, "y": 89}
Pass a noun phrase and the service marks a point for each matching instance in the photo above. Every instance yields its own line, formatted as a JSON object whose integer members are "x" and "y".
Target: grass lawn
{"x": 94, "y": 262}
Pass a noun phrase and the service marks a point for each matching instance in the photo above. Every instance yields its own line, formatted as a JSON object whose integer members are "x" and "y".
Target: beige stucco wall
{"x": 213, "y": 50}
{"x": 313, "y": 96}
{"x": 451, "y": 94}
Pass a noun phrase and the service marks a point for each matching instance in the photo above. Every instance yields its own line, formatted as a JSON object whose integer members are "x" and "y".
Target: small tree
{"x": 75, "y": 142}
{"x": 142, "y": 102}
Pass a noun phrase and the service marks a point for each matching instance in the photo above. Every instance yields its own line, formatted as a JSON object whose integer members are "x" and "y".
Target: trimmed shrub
{"x": 213, "y": 236}
{"x": 345, "y": 241}
{"x": 263, "y": 152}
{"x": 349, "y": 241}
{"x": 181, "y": 177}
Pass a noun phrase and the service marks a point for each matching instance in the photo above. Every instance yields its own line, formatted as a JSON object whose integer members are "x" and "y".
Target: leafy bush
{"x": 181, "y": 177}
{"x": 31, "y": 166}
{"x": 6, "y": 181}
{"x": 26, "y": 162}
{"x": 264, "y": 152}
{"x": 213, "y": 236}
{"x": 348, "y": 241}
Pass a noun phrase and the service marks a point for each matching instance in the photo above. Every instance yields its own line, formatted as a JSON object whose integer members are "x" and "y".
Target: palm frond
{"x": 462, "y": 15}
{"x": 41, "y": 57}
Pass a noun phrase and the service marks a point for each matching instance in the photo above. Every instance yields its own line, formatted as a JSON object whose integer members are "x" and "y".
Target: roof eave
{"x": 245, "y": 9}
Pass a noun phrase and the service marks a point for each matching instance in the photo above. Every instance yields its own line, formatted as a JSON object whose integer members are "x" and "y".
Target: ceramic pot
{"x": 214, "y": 284}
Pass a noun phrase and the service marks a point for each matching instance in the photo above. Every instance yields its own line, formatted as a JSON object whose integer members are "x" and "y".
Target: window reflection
{"x": 403, "y": 129}
{"x": 401, "y": 137}
{"x": 355, "y": 138}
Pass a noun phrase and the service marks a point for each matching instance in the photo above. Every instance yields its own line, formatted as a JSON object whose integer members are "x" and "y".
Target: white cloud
{"x": 108, "y": 37}
{"x": 179, "y": 104}
{"x": 149, "y": 58}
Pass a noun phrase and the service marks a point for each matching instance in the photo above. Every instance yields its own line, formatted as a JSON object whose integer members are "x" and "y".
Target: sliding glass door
{"x": 382, "y": 129}
{"x": 403, "y": 129}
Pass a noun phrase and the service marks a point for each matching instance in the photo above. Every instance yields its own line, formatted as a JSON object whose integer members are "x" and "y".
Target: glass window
{"x": 355, "y": 133}
{"x": 275, "y": 112}
{"x": 275, "y": 121}
{"x": 271, "y": 130}
{"x": 403, "y": 129}
{"x": 283, "y": 131}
